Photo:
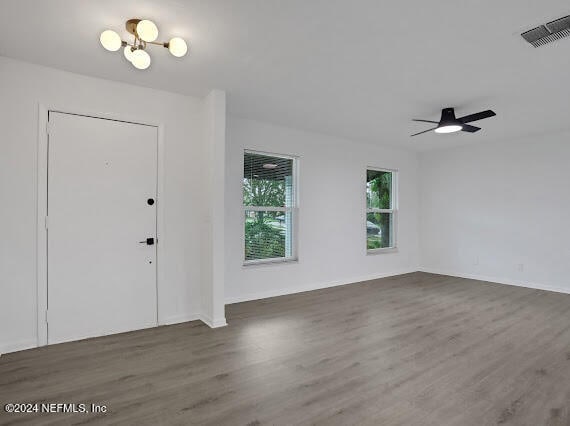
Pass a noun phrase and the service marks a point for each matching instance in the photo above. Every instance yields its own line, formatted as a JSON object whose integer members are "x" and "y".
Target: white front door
{"x": 102, "y": 183}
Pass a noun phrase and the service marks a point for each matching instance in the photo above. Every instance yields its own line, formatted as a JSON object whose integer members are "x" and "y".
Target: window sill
{"x": 382, "y": 250}
{"x": 268, "y": 262}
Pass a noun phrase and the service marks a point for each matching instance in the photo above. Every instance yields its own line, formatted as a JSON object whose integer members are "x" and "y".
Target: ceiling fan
{"x": 449, "y": 124}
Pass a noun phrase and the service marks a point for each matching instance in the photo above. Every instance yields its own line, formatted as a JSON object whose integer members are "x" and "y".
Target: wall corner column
{"x": 213, "y": 305}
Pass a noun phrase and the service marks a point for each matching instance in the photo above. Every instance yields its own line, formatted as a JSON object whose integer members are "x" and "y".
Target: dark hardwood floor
{"x": 418, "y": 349}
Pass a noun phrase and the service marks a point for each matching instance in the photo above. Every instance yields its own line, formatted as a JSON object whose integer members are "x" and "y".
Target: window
{"x": 380, "y": 209}
{"x": 269, "y": 203}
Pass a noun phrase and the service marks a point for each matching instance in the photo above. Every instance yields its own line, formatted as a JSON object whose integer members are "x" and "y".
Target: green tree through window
{"x": 379, "y": 209}
{"x": 268, "y": 199}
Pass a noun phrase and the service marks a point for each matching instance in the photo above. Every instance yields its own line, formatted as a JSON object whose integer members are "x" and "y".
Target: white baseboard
{"x": 213, "y": 323}
{"x": 177, "y": 319}
{"x": 507, "y": 281}
{"x": 311, "y": 287}
{"x": 219, "y": 322}
{"x": 7, "y": 347}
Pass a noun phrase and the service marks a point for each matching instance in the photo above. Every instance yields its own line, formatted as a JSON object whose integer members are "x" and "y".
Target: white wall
{"x": 499, "y": 212}
{"x": 22, "y": 87}
{"x": 332, "y": 235}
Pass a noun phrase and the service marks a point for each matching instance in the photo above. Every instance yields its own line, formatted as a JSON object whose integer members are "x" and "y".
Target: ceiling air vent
{"x": 548, "y": 33}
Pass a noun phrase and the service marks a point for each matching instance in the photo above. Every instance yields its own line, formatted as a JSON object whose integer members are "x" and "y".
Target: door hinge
{"x": 46, "y": 316}
{"x": 46, "y": 222}
{"x": 47, "y": 127}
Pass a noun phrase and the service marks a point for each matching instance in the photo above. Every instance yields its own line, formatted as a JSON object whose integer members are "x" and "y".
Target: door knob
{"x": 148, "y": 241}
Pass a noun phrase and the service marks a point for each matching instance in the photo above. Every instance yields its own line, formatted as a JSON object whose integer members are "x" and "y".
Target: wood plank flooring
{"x": 417, "y": 349}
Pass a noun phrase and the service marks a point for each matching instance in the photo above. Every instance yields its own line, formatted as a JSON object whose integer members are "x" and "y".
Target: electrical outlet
{"x": 476, "y": 261}
{"x": 520, "y": 267}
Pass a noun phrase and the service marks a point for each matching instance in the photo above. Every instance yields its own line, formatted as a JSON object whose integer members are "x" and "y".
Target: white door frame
{"x": 42, "y": 194}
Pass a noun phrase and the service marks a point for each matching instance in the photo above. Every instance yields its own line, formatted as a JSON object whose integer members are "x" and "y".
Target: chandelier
{"x": 145, "y": 33}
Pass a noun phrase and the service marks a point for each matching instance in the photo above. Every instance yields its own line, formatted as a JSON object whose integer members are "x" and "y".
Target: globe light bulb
{"x": 128, "y": 53}
{"x": 110, "y": 40}
{"x": 177, "y": 47}
{"x": 147, "y": 30}
{"x": 140, "y": 59}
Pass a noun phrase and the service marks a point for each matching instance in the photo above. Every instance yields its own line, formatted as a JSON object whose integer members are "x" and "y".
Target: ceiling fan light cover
{"x": 449, "y": 128}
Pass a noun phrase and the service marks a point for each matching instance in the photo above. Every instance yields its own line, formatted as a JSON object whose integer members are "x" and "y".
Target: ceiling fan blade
{"x": 470, "y": 129}
{"x": 477, "y": 116}
{"x": 425, "y": 121}
{"x": 425, "y": 131}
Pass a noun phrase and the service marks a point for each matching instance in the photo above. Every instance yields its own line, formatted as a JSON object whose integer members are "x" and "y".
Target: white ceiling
{"x": 360, "y": 69}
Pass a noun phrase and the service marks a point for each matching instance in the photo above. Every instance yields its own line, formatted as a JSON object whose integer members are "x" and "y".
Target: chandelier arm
{"x": 157, "y": 43}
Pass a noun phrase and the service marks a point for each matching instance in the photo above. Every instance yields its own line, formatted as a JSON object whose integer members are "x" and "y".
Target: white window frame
{"x": 393, "y": 210}
{"x": 294, "y": 209}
